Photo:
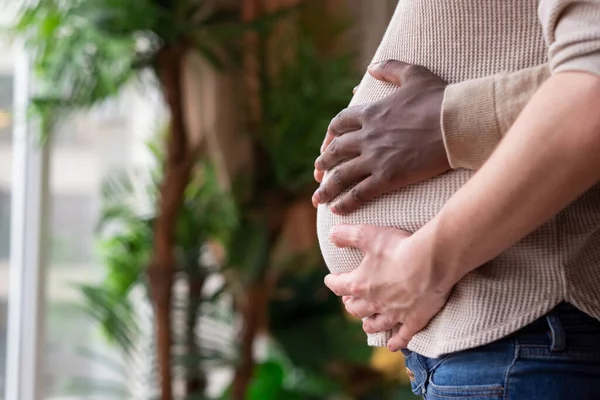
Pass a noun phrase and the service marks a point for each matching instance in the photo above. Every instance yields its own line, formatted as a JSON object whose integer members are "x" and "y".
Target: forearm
{"x": 477, "y": 113}
{"x": 549, "y": 158}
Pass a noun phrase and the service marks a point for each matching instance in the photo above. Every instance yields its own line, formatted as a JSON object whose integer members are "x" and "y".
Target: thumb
{"x": 392, "y": 71}
{"x": 344, "y": 284}
{"x": 357, "y": 236}
{"x": 401, "y": 338}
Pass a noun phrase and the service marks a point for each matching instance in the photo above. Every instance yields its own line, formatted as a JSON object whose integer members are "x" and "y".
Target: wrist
{"x": 441, "y": 255}
{"x": 435, "y": 272}
{"x": 469, "y": 123}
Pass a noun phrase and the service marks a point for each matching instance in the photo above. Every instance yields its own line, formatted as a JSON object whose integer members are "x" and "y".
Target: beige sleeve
{"x": 477, "y": 113}
{"x": 572, "y": 32}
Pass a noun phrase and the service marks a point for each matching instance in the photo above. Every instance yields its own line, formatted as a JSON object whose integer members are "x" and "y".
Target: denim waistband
{"x": 571, "y": 320}
{"x": 562, "y": 327}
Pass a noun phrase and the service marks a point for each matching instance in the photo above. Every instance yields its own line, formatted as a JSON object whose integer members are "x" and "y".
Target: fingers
{"x": 340, "y": 149}
{"x": 348, "y": 120}
{"x": 343, "y": 284}
{"x": 391, "y": 71}
{"x": 356, "y": 236}
{"x": 354, "y": 90}
{"x": 400, "y": 340}
{"x": 341, "y": 178}
{"x": 328, "y": 139}
{"x": 315, "y": 199}
{"x": 331, "y": 155}
{"x": 345, "y": 121}
{"x": 378, "y": 323}
{"x": 364, "y": 191}
{"x": 318, "y": 175}
{"x": 360, "y": 308}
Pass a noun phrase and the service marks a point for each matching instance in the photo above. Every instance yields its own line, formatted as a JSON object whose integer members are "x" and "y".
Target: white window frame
{"x": 30, "y": 194}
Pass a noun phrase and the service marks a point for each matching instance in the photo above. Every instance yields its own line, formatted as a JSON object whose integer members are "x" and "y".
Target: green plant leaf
{"x": 101, "y": 359}
{"x": 312, "y": 86}
{"x": 86, "y": 386}
{"x": 312, "y": 330}
{"x": 114, "y": 314}
{"x": 249, "y": 250}
{"x": 267, "y": 383}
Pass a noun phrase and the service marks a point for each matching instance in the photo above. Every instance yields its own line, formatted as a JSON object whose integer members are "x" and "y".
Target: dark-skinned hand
{"x": 385, "y": 145}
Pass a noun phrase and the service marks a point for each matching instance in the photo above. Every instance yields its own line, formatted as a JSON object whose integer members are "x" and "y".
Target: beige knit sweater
{"x": 495, "y": 54}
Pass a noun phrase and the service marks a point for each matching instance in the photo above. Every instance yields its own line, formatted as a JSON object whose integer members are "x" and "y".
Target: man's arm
{"x": 549, "y": 158}
{"x": 457, "y": 125}
{"x": 477, "y": 113}
{"x": 572, "y": 31}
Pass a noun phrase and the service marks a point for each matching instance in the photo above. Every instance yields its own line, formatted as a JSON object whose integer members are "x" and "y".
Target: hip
{"x": 555, "y": 357}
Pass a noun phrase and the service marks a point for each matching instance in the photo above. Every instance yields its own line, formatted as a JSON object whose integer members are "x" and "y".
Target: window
{"x": 6, "y": 99}
{"x": 86, "y": 149}
{"x": 6, "y": 94}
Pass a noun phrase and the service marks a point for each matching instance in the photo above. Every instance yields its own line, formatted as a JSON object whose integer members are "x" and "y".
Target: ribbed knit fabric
{"x": 496, "y": 101}
{"x": 480, "y": 47}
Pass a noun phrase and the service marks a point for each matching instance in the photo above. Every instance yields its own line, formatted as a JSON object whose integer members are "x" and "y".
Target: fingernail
{"x": 317, "y": 198}
{"x": 317, "y": 164}
{"x": 393, "y": 348}
{"x": 375, "y": 65}
{"x": 322, "y": 147}
{"x": 334, "y": 209}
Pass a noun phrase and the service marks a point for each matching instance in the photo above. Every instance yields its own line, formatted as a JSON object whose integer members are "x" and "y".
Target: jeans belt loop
{"x": 557, "y": 333}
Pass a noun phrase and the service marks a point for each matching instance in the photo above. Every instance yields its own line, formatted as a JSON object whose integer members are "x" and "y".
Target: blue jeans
{"x": 555, "y": 358}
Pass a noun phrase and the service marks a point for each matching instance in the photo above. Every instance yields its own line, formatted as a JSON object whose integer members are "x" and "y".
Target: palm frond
{"x": 103, "y": 360}
{"x": 98, "y": 387}
{"x": 305, "y": 94}
{"x": 114, "y": 314}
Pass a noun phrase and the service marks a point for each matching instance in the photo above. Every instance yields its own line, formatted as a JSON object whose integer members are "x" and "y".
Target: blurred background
{"x": 157, "y": 239}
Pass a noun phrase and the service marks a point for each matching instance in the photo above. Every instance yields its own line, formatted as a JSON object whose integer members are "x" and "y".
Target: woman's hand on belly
{"x": 392, "y": 143}
{"x": 396, "y": 281}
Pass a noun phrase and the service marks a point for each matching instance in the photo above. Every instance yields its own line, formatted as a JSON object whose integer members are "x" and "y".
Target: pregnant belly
{"x": 409, "y": 209}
